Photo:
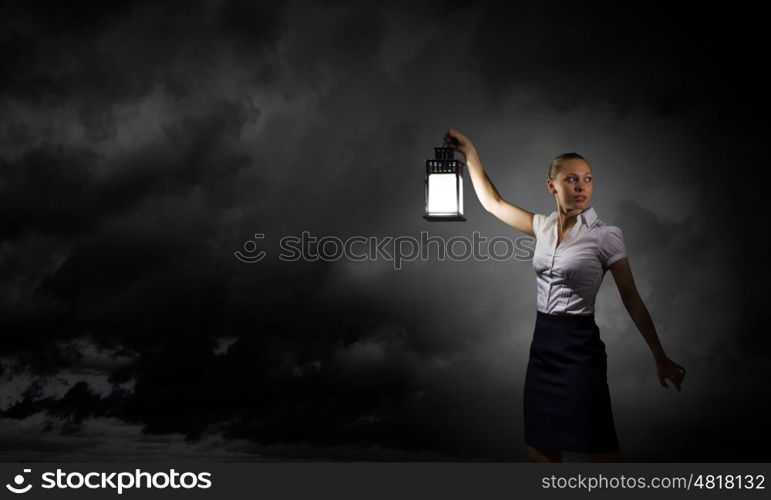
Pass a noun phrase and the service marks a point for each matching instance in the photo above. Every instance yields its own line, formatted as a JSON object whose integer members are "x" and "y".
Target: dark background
{"x": 142, "y": 144}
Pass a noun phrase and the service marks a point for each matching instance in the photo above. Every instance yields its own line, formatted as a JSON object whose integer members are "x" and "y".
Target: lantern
{"x": 444, "y": 186}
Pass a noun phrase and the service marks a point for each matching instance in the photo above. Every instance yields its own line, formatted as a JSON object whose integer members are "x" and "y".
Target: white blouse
{"x": 569, "y": 275}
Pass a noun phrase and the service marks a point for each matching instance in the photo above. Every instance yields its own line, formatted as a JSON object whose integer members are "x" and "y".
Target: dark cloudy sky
{"x": 142, "y": 144}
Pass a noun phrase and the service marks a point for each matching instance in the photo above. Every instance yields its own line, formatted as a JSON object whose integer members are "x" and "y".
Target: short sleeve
{"x": 612, "y": 247}
{"x": 537, "y": 223}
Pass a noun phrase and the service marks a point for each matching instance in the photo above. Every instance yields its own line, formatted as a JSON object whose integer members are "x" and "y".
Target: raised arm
{"x": 488, "y": 195}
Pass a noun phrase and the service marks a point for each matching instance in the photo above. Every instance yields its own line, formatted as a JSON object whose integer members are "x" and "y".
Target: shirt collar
{"x": 587, "y": 217}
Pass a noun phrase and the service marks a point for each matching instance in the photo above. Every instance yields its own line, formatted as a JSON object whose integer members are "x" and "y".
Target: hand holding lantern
{"x": 457, "y": 141}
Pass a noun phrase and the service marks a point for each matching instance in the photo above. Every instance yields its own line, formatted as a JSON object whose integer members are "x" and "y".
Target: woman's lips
{"x": 579, "y": 198}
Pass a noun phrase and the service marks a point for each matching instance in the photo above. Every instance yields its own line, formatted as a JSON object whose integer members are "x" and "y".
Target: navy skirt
{"x": 566, "y": 397}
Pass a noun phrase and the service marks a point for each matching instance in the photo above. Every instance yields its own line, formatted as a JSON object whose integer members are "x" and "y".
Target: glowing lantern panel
{"x": 444, "y": 186}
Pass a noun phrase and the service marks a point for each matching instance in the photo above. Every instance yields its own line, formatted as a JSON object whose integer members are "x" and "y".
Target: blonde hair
{"x": 555, "y": 164}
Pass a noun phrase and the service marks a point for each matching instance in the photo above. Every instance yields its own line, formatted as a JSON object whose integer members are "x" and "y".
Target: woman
{"x": 566, "y": 397}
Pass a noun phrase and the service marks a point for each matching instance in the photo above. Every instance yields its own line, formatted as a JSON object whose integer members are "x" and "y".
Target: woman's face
{"x": 573, "y": 185}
